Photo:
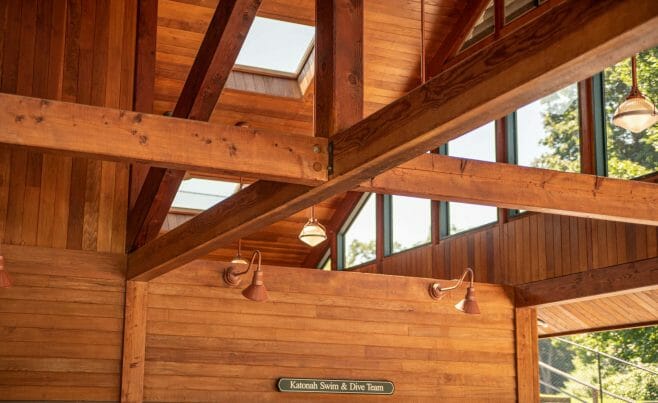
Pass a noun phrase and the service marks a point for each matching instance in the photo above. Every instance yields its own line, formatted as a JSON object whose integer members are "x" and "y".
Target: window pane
{"x": 548, "y": 132}
{"x": 276, "y": 45}
{"x": 359, "y": 242}
{"x": 201, "y": 194}
{"x": 516, "y": 8}
{"x": 483, "y": 26}
{"x": 463, "y": 217}
{"x": 480, "y": 144}
{"x": 412, "y": 222}
{"x": 631, "y": 154}
{"x": 327, "y": 265}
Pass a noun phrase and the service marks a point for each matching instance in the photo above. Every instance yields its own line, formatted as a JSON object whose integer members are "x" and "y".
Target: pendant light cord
{"x": 422, "y": 42}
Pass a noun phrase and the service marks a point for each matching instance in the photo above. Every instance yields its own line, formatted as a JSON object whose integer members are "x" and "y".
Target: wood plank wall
{"x": 77, "y": 51}
{"x": 61, "y": 325}
{"x": 205, "y": 342}
{"x": 528, "y": 248}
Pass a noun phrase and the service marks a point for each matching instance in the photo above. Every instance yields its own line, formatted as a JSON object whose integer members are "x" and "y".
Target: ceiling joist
{"x": 568, "y": 43}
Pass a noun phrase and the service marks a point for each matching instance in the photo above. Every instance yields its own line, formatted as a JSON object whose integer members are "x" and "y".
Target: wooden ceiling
{"x": 392, "y": 51}
{"x": 600, "y": 313}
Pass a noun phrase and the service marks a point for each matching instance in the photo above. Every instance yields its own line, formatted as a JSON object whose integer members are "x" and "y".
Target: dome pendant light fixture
{"x": 238, "y": 259}
{"x": 313, "y": 233}
{"x": 636, "y": 113}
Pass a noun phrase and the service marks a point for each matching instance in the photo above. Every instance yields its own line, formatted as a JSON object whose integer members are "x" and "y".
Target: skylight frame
{"x": 303, "y": 61}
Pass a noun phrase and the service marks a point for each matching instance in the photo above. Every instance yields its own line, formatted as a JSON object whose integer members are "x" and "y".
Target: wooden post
{"x": 587, "y": 124}
{"x": 380, "y": 235}
{"x": 134, "y": 342}
{"x": 503, "y": 157}
{"x": 527, "y": 355}
{"x": 338, "y": 66}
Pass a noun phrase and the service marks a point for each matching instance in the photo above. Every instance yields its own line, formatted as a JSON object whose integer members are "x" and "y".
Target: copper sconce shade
{"x": 5, "y": 281}
{"x": 256, "y": 291}
{"x": 467, "y": 305}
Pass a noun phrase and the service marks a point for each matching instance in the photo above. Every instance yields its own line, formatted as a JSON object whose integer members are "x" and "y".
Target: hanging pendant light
{"x": 238, "y": 259}
{"x": 313, "y": 233}
{"x": 636, "y": 113}
{"x": 5, "y": 281}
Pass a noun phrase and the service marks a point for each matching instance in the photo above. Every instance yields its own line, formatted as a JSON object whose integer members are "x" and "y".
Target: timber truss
{"x": 562, "y": 42}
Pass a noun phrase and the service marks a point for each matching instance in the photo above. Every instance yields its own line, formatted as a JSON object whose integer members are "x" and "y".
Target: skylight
{"x": 201, "y": 194}
{"x": 276, "y": 46}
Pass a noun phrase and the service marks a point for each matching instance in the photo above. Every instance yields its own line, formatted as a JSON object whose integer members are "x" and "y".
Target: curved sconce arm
{"x": 437, "y": 292}
{"x": 233, "y": 277}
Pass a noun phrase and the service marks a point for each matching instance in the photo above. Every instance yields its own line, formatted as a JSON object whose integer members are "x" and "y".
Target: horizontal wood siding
{"x": 79, "y": 52}
{"x": 205, "y": 342}
{"x": 61, "y": 325}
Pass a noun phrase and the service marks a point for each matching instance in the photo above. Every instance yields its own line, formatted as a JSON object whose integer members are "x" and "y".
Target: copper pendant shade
{"x": 5, "y": 281}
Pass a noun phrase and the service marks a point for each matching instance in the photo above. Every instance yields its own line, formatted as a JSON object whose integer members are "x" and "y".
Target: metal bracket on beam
{"x": 330, "y": 156}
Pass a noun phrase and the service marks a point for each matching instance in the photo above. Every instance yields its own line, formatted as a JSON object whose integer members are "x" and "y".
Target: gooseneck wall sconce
{"x": 468, "y": 305}
{"x": 256, "y": 291}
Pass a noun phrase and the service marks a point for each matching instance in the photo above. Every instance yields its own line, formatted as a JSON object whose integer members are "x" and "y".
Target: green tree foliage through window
{"x": 548, "y": 132}
{"x": 629, "y": 154}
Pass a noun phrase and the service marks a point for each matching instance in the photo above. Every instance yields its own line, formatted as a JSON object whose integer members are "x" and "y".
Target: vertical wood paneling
{"x": 81, "y": 52}
{"x": 529, "y": 248}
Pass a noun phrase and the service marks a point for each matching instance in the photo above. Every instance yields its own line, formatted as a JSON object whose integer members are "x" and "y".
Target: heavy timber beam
{"x": 160, "y": 141}
{"x": 637, "y": 276}
{"x": 568, "y": 43}
{"x": 219, "y": 50}
{"x": 439, "y": 177}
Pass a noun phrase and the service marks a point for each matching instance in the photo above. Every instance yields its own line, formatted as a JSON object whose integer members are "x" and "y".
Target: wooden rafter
{"x": 439, "y": 177}
{"x": 614, "y": 280}
{"x": 456, "y": 37}
{"x": 568, "y": 43}
{"x": 338, "y": 89}
{"x": 218, "y": 52}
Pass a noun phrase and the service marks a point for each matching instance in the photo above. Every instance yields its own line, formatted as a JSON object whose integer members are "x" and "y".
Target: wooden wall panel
{"x": 529, "y": 248}
{"x": 61, "y": 325}
{"x": 205, "y": 342}
{"x": 81, "y": 52}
